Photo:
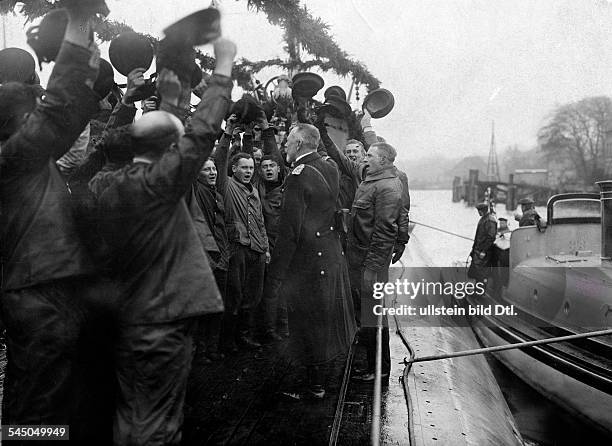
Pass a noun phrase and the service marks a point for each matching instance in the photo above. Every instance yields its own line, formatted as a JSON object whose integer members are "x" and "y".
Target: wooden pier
{"x": 474, "y": 191}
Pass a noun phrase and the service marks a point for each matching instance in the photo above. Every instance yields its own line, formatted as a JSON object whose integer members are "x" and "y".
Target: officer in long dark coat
{"x": 482, "y": 249}
{"x": 308, "y": 259}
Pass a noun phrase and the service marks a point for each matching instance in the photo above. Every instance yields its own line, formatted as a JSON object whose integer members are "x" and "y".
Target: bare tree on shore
{"x": 577, "y": 131}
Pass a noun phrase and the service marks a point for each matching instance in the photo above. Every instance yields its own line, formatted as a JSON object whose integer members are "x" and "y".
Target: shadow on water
{"x": 540, "y": 421}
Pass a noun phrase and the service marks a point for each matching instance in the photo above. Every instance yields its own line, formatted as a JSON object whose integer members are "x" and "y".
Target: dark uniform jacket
{"x": 530, "y": 218}
{"x": 39, "y": 237}
{"x": 271, "y": 196}
{"x": 376, "y": 215}
{"x": 309, "y": 261}
{"x": 486, "y": 231}
{"x": 158, "y": 257}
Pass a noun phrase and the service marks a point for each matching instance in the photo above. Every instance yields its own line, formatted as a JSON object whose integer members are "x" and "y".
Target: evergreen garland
{"x": 301, "y": 29}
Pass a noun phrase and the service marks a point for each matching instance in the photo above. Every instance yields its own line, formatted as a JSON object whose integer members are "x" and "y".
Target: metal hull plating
{"x": 558, "y": 286}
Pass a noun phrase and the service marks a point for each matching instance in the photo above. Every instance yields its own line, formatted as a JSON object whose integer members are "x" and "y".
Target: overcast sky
{"x": 453, "y": 66}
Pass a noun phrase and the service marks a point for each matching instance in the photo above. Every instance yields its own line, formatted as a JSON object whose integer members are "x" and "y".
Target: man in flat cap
{"x": 482, "y": 249}
{"x": 530, "y": 216}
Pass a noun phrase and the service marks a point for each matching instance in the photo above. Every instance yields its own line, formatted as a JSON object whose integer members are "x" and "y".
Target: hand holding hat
{"x": 85, "y": 8}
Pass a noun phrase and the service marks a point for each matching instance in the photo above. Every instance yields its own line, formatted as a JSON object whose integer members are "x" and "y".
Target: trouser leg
{"x": 252, "y": 290}
{"x": 153, "y": 364}
{"x": 370, "y": 326}
{"x": 55, "y": 371}
{"x": 355, "y": 277}
{"x": 236, "y": 276}
{"x": 282, "y": 316}
{"x": 270, "y": 306}
{"x": 43, "y": 326}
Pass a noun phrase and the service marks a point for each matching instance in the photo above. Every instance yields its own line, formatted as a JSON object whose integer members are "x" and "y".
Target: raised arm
{"x": 57, "y": 121}
{"x": 222, "y": 154}
{"x": 369, "y": 135}
{"x": 174, "y": 173}
{"x": 346, "y": 166}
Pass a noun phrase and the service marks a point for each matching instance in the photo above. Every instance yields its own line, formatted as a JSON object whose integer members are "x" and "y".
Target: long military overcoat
{"x": 309, "y": 261}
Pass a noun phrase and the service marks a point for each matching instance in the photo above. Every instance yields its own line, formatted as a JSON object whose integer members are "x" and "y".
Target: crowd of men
{"x": 124, "y": 251}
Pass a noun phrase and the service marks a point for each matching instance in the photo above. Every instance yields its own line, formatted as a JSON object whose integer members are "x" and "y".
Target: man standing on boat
{"x": 482, "y": 249}
{"x": 530, "y": 216}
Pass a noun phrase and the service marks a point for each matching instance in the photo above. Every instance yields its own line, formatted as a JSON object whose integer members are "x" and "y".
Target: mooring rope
{"x": 443, "y": 230}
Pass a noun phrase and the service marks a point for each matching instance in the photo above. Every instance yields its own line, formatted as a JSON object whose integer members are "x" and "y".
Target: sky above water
{"x": 453, "y": 66}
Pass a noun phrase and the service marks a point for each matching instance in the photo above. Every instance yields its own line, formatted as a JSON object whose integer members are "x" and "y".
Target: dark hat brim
{"x": 336, "y": 106}
{"x": 196, "y": 29}
{"x": 46, "y": 38}
{"x": 16, "y": 65}
{"x": 247, "y": 109}
{"x": 306, "y": 85}
{"x": 335, "y": 91}
{"x": 129, "y": 51}
{"x": 379, "y": 103}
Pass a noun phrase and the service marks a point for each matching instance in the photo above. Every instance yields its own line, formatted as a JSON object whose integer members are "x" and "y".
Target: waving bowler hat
{"x": 335, "y": 91}
{"x": 91, "y": 6}
{"x": 46, "y": 38}
{"x": 338, "y": 107}
{"x": 129, "y": 51}
{"x": 379, "y": 103}
{"x": 246, "y": 109}
{"x": 196, "y": 29}
{"x": 16, "y": 65}
{"x": 306, "y": 85}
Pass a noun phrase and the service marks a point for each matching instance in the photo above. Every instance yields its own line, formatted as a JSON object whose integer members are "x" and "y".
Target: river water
{"x": 540, "y": 421}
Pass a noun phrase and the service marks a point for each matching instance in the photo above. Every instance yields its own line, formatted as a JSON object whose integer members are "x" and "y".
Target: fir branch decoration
{"x": 301, "y": 30}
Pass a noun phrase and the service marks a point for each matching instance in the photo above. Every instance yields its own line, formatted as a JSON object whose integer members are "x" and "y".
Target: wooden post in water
{"x": 457, "y": 189}
{"x": 472, "y": 187}
{"x": 511, "y": 196}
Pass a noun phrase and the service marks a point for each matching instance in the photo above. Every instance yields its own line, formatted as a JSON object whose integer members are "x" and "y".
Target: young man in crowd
{"x": 210, "y": 203}
{"x": 249, "y": 249}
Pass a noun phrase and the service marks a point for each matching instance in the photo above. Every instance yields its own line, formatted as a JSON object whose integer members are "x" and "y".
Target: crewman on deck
{"x": 529, "y": 215}
{"x": 482, "y": 249}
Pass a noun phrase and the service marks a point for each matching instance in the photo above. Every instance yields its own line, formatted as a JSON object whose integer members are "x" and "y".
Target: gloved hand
{"x": 398, "y": 251}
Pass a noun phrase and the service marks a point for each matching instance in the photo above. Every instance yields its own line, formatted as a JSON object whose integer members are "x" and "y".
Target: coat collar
{"x": 384, "y": 173}
{"x": 308, "y": 158}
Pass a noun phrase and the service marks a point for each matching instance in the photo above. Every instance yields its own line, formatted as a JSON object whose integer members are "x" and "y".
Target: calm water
{"x": 540, "y": 422}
